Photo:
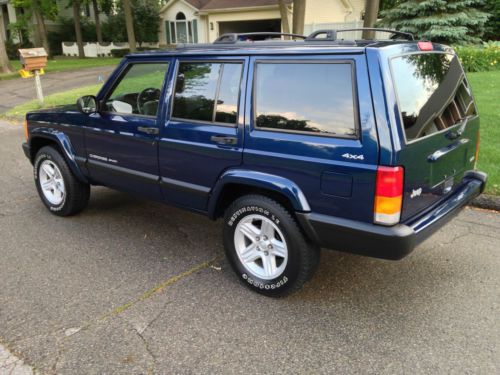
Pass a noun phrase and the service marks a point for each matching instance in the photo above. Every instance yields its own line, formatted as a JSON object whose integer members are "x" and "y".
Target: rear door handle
{"x": 148, "y": 130}
{"x": 224, "y": 140}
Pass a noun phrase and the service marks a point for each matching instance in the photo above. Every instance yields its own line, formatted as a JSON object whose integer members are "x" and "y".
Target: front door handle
{"x": 148, "y": 130}
{"x": 224, "y": 140}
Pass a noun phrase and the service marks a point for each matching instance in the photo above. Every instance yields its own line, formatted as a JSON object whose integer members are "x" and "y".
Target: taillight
{"x": 425, "y": 46}
{"x": 477, "y": 150}
{"x": 388, "y": 195}
{"x": 26, "y": 132}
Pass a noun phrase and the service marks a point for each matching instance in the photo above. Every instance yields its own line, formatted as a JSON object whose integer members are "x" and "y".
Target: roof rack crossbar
{"x": 232, "y": 38}
{"x": 331, "y": 35}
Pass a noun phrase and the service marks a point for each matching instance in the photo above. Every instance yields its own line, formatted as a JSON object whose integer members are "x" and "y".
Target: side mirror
{"x": 87, "y": 104}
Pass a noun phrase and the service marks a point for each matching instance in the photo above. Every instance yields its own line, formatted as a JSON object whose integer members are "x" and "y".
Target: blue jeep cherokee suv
{"x": 363, "y": 146}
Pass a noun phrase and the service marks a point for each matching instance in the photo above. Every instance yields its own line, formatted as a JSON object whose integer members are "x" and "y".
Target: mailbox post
{"x": 33, "y": 61}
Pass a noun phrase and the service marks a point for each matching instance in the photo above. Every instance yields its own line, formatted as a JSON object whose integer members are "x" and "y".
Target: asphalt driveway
{"x": 131, "y": 286}
{"x": 18, "y": 91}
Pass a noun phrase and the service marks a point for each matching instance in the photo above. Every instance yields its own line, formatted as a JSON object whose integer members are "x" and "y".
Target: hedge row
{"x": 480, "y": 59}
{"x": 120, "y": 52}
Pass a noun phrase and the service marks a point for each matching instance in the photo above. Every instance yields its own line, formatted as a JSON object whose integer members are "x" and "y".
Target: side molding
{"x": 259, "y": 180}
{"x": 64, "y": 143}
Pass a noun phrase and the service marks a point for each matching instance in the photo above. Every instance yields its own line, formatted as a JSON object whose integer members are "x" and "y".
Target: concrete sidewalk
{"x": 18, "y": 91}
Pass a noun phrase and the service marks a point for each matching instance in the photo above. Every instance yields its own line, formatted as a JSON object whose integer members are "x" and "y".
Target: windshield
{"x": 432, "y": 93}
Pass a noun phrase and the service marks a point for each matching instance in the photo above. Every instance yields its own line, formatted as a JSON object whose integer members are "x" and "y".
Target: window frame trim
{"x": 219, "y": 80}
{"x": 119, "y": 78}
{"x": 352, "y": 63}
{"x": 449, "y": 100}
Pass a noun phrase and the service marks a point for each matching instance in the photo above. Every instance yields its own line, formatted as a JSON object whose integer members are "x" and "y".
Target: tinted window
{"x": 316, "y": 98}
{"x": 138, "y": 91}
{"x": 227, "y": 101}
{"x": 200, "y": 85}
{"x": 432, "y": 93}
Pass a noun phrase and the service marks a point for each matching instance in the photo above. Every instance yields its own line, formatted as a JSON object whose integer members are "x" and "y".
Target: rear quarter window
{"x": 432, "y": 93}
{"x": 305, "y": 97}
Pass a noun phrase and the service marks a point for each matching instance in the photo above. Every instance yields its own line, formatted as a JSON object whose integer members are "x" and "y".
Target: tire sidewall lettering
{"x": 252, "y": 209}
{"x": 265, "y": 285}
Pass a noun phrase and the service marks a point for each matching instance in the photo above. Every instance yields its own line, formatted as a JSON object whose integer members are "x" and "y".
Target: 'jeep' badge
{"x": 416, "y": 193}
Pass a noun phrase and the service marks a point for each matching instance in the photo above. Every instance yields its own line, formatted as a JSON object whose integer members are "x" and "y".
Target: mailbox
{"x": 33, "y": 58}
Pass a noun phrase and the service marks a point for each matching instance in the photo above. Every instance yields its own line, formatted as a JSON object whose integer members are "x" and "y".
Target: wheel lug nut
{"x": 264, "y": 238}
{"x": 266, "y": 253}
{"x": 270, "y": 247}
{"x": 257, "y": 238}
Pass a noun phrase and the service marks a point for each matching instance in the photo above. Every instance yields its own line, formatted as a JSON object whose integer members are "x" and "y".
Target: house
{"x": 203, "y": 21}
{"x": 12, "y": 14}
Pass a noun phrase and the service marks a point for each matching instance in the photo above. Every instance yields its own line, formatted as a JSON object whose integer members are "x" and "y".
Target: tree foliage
{"x": 452, "y": 21}
{"x": 493, "y": 25}
{"x": 47, "y": 7}
{"x": 146, "y": 22}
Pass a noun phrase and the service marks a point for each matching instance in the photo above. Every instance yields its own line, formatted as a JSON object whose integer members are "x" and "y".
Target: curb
{"x": 489, "y": 202}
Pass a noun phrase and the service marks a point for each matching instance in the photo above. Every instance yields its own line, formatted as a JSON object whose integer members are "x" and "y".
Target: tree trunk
{"x": 299, "y": 14}
{"x": 42, "y": 30}
{"x": 97, "y": 22}
{"x": 371, "y": 14}
{"x": 78, "y": 28}
{"x": 5, "y": 65}
{"x": 129, "y": 23}
{"x": 285, "y": 24}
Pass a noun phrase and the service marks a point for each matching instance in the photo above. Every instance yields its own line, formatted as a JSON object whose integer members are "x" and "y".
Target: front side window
{"x": 138, "y": 91}
{"x": 432, "y": 93}
{"x": 207, "y": 92}
{"x": 305, "y": 97}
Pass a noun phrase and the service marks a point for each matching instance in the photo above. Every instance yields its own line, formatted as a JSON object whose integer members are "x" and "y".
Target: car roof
{"x": 273, "y": 47}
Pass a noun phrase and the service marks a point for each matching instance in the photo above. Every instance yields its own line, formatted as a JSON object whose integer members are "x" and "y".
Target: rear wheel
{"x": 58, "y": 188}
{"x": 266, "y": 248}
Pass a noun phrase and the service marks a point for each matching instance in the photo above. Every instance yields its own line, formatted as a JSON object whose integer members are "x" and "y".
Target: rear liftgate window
{"x": 432, "y": 93}
{"x": 305, "y": 97}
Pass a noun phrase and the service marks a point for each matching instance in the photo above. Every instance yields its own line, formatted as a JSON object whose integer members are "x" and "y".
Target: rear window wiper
{"x": 457, "y": 133}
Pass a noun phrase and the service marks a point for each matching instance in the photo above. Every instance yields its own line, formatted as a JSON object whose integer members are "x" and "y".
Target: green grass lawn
{"x": 66, "y": 97}
{"x": 486, "y": 89}
{"x": 61, "y": 63}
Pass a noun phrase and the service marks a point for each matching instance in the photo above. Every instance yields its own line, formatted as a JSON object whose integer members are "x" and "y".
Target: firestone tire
{"x": 58, "y": 188}
{"x": 266, "y": 247}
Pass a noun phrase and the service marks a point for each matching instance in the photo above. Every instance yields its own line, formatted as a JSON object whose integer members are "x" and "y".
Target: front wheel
{"x": 266, "y": 248}
{"x": 58, "y": 188}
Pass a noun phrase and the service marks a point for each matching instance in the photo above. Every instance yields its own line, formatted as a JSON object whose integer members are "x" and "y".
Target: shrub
{"x": 120, "y": 52}
{"x": 12, "y": 48}
{"x": 66, "y": 33}
{"x": 480, "y": 58}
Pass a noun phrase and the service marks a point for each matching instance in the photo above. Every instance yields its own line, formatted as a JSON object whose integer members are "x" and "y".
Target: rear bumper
{"x": 393, "y": 242}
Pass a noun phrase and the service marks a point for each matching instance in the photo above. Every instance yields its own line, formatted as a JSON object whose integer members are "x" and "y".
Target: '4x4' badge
{"x": 353, "y": 157}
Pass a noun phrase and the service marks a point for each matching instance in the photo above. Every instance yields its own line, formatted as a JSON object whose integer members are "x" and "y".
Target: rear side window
{"x": 432, "y": 93}
{"x": 207, "y": 92}
{"x": 305, "y": 97}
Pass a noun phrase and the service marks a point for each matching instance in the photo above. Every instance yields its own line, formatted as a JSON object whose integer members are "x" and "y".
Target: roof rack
{"x": 331, "y": 35}
{"x": 232, "y": 38}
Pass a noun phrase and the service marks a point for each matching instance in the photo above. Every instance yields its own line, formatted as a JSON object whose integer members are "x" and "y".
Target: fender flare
{"x": 260, "y": 180}
{"x": 64, "y": 144}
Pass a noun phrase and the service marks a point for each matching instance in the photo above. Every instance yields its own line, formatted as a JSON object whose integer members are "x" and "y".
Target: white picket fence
{"x": 98, "y": 49}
